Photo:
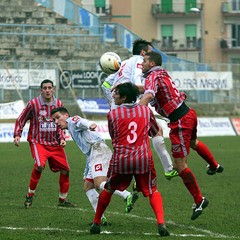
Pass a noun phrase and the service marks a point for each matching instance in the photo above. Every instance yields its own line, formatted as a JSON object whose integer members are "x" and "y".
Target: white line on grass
{"x": 204, "y": 232}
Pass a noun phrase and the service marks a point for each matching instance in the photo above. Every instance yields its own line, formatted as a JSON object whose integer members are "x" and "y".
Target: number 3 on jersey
{"x": 132, "y": 137}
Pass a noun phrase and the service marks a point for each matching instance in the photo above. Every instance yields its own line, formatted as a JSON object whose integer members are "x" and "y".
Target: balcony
{"x": 230, "y": 45}
{"x": 177, "y": 45}
{"x": 178, "y": 10}
{"x": 231, "y": 9}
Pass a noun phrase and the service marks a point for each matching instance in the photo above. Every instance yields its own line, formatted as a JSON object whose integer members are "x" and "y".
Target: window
{"x": 236, "y": 5}
{"x": 190, "y": 4}
{"x": 235, "y": 35}
{"x": 100, "y": 5}
{"x": 166, "y": 6}
{"x": 167, "y": 36}
{"x": 191, "y": 35}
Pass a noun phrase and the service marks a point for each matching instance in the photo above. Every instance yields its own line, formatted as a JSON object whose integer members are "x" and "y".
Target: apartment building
{"x": 205, "y": 31}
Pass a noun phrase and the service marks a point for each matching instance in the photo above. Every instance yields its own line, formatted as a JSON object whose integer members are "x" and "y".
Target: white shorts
{"x": 99, "y": 160}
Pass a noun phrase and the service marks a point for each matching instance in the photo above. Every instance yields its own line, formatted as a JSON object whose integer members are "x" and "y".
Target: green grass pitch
{"x": 220, "y": 220}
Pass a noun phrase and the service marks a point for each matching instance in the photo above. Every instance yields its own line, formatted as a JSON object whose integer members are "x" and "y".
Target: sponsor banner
{"x": 215, "y": 127}
{"x": 37, "y": 76}
{"x": 11, "y": 110}
{"x": 81, "y": 79}
{"x": 206, "y": 127}
{"x": 93, "y": 105}
{"x": 6, "y": 132}
{"x": 185, "y": 80}
{"x": 24, "y": 78}
{"x": 236, "y": 124}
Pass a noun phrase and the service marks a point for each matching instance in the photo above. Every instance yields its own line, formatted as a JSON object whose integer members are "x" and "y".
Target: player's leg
{"x": 155, "y": 198}
{"x": 205, "y": 153}
{"x": 37, "y": 152}
{"x": 57, "y": 161}
{"x": 159, "y": 146}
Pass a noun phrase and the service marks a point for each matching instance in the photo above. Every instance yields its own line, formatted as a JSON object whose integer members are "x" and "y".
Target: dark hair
{"x": 46, "y": 81}
{"x": 129, "y": 90}
{"x": 62, "y": 110}
{"x": 139, "y": 45}
{"x": 155, "y": 57}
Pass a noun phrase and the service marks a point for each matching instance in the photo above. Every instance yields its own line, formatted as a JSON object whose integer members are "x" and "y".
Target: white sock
{"x": 160, "y": 148}
{"x": 101, "y": 186}
{"x": 93, "y": 195}
{"x": 122, "y": 194}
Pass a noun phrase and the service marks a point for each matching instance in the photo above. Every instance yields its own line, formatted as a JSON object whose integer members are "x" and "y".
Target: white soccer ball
{"x": 110, "y": 62}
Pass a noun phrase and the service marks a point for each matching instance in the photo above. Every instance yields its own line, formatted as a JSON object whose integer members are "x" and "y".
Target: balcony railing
{"x": 180, "y": 44}
{"x": 177, "y": 10}
{"x": 231, "y": 8}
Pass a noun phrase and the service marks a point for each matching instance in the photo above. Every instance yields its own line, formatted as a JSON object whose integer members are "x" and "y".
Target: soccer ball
{"x": 110, "y": 62}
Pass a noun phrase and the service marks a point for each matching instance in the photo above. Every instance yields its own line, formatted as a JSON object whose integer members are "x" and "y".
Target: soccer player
{"x": 131, "y": 71}
{"x": 129, "y": 126}
{"x": 46, "y": 141}
{"x": 168, "y": 101}
{"x": 98, "y": 156}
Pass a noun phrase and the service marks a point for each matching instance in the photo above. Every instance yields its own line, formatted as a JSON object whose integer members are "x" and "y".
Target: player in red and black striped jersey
{"x": 129, "y": 126}
{"x": 168, "y": 101}
{"x": 46, "y": 141}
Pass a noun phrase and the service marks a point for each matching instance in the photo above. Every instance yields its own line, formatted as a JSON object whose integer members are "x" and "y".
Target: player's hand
{"x": 93, "y": 126}
{"x": 16, "y": 141}
{"x": 63, "y": 143}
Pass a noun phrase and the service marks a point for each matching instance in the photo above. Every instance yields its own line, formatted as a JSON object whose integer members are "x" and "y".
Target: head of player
{"x": 151, "y": 59}
{"x": 141, "y": 46}
{"x": 60, "y": 116}
{"x": 47, "y": 90}
{"x": 125, "y": 93}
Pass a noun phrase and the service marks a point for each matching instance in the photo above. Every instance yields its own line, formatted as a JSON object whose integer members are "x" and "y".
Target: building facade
{"x": 205, "y": 31}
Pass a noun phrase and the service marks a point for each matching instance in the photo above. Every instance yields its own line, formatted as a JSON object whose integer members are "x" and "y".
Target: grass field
{"x": 220, "y": 220}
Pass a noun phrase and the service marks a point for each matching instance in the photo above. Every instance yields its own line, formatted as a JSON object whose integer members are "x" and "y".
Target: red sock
{"x": 191, "y": 184}
{"x": 64, "y": 183}
{"x": 156, "y": 204}
{"x": 205, "y": 153}
{"x": 103, "y": 201}
{"x": 35, "y": 176}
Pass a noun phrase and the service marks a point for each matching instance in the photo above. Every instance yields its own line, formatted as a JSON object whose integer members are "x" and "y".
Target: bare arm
{"x": 146, "y": 98}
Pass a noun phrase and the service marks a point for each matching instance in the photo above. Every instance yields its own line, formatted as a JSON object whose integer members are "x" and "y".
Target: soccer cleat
{"x": 218, "y": 169}
{"x": 134, "y": 186}
{"x": 104, "y": 221}
{"x": 131, "y": 199}
{"x": 162, "y": 230}
{"x": 95, "y": 228}
{"x": 28, "y": 201}
{"x": 66, "y": 203}
{"x": 198, "y": 208}
{"x": 169, "y": 175}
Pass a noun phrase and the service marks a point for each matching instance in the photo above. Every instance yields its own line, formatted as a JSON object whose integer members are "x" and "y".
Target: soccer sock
{"x": 101, "y": 186}
{"x": 156, "y": 204}
{"x": 92, "y": 196}
{"x": 191, "y": 184}
{"x": 35, "y": 176}
{"x": 160, "y": 148}
{"x": 64, "y": 185}
{"x": 122, "y": 194}
{"x": 205, "y": 153}
{"x": 103, "y": 201}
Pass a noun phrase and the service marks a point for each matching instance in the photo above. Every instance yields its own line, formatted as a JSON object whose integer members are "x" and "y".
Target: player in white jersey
{"x": 131, "y": 71}
{"x": 98, "y": 156}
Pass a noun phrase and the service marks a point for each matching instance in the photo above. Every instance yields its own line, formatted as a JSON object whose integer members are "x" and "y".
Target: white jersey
{"x": 98, "y": 154}
{"x": 130, "y": 71}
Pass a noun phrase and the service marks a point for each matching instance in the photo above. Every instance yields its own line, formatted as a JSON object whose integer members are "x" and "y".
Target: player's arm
{"x": 146, "y": 98}
{"x": 25, "y": 115}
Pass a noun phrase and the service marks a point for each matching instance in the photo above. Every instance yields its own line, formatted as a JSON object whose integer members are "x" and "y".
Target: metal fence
{"x": 83, "y": 79}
